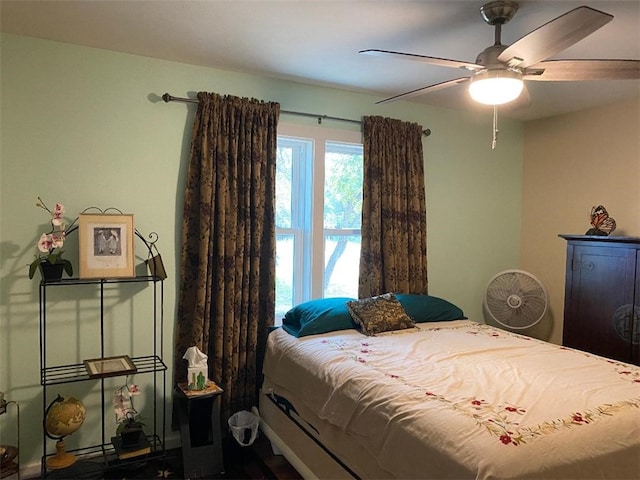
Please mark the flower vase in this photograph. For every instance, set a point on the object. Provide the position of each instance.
(51, 271)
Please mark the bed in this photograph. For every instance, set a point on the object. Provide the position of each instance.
(442, 398)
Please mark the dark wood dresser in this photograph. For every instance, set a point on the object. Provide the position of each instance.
(602, 296)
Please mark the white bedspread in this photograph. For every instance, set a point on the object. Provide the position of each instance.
(465, 400)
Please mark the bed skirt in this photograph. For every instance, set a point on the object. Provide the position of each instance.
(314, 448)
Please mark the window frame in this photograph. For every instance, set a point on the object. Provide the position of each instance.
(312, 258)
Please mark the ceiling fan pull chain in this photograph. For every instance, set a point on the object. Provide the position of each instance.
(495, 127)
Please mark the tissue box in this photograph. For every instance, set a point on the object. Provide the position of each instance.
(197, 378)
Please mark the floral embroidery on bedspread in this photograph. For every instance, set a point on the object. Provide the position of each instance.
(628, 375)
(623, 370)
(499, 420)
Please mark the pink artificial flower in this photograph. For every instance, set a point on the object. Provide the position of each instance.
(57, 215)
(57, 239)
(45, 243)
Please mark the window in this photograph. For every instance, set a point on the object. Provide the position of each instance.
(318, 214)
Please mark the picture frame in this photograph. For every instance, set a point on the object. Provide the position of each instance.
(109, 366)
(105, 245)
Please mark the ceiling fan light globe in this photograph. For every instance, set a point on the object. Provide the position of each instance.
(496, 87)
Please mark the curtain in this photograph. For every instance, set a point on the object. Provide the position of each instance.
(226, 300)
(393, 255)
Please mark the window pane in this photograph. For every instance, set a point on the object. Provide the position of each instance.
(343, 186)
(342, 262)
(284, 176)
(284, 274)
(293, 174)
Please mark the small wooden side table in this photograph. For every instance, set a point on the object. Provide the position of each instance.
(199, 418)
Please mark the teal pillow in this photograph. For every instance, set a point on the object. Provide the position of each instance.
(425, 308)
(318, 316)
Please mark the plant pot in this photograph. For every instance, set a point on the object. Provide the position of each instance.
(51, 271)
(131, 437)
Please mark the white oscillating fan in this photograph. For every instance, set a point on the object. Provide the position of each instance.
(516, 299)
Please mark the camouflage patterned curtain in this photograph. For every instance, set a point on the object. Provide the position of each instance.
(394, 220)
(226, 300)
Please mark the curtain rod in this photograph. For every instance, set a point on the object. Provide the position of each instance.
(169, 98)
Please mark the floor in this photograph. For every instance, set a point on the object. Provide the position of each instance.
(261, 463)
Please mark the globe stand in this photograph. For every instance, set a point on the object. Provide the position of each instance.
(61, 459)
(62, 417)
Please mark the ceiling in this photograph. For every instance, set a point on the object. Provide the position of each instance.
(317, 42)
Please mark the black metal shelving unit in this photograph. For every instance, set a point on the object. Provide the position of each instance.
(103, 455)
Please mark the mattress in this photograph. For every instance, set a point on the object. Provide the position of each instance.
(459, 400)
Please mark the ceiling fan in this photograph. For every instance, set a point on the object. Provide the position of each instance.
(497, 75)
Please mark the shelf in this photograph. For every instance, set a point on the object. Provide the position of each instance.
(107, 456)
(78, 373)
(97, 281)
(103, 456)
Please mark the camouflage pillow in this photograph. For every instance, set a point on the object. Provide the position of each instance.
(379, 314)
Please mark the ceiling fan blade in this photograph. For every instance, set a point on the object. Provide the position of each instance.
(554, 36)
(443, 62)
(578, 70)
(420, 91)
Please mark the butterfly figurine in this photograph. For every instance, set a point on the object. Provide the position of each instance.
(601, 222)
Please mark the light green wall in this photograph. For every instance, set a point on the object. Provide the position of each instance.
(86, 127)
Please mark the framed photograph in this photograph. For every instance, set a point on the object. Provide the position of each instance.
(106, 245)
(109, 366)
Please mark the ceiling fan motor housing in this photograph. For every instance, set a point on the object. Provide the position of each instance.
(499, 12)
(497, 83)
(489, 56)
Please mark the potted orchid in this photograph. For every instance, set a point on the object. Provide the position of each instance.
(130, 424)
(50, 244)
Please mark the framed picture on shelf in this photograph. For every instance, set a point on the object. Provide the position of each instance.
(109, 366)
(106, 245)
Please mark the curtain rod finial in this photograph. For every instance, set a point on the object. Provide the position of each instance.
(166, 97)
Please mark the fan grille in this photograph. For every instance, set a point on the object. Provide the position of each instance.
(516, 299)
